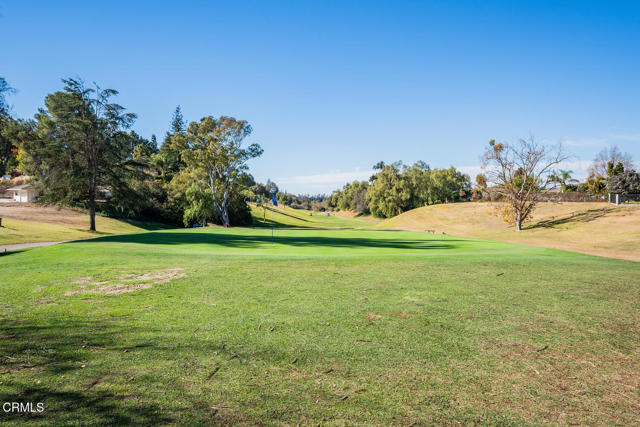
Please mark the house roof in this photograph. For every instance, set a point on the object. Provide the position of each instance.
(21, 187)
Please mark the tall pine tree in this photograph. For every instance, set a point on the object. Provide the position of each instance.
(78, 145)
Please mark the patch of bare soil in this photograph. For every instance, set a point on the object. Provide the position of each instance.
(345, 214)
(372, 316)
(127, 282)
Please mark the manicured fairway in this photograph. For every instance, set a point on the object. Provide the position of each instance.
(337, 327)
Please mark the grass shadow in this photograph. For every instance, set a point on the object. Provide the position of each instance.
(12, 252)
(269, 222)
(146, 225)
(56, 348)
(229, 239)
(578, 217)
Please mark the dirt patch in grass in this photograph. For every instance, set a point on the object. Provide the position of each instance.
(127, 282)
(402, 314)
(372, 316)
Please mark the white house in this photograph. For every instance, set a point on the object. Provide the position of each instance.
(23, 193)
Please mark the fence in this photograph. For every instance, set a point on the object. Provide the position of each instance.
(549, 196)
(571, 196)
(618, 198)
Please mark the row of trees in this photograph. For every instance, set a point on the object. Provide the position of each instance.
(79, 152)
(396, 188)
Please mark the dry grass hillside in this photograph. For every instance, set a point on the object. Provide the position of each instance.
(592, 228)
(27, 223)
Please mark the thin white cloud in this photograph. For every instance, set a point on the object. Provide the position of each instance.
(600, 142)
(326, 182)
(633, 137)
(588, 142)
(326, 178)
(472, 171)
(580, 168)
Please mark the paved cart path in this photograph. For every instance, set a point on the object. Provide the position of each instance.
(18, 246)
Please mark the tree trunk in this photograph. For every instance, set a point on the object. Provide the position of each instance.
(92, 205)
(92, 191)
(518, 222)
(224, 212)
(92, 214)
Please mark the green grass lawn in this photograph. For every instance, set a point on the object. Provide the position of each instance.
(283, 216)
(331, 327)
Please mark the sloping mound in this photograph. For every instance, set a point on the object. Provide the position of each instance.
(593, 228)
(27, 223)
(283, 216)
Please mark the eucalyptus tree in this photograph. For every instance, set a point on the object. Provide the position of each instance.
(215, 158)
(79, 145)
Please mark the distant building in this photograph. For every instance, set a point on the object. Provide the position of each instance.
(24, 193)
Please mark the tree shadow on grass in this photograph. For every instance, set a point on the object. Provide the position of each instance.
(82, 383)
(12, 252)
(230, 239)
(49, 350)
(578, 217)
(148, 225)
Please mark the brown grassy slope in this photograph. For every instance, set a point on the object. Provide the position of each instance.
(592, 228)
(28, 223)
(355, 215)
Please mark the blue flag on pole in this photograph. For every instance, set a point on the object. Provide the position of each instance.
(275, 202)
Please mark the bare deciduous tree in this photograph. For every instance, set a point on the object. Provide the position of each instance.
(519, 172)
(610, 155)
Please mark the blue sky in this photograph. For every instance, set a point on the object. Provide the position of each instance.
(331, 88)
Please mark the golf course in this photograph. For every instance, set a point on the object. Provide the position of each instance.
(317, 326)
(320, 214)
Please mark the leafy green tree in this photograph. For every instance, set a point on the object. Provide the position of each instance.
(78, 147)
(594, 184)
(284, 199)
(12, 133)
(389, 192)
(352, 197)
(564, 179)
(419, 179)
(614, 169)
(396, 188)
(448, 185)
(626, 182)
(5, 90)
(10, 130)
(214, 156)
(168, 160)
(199, 204)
